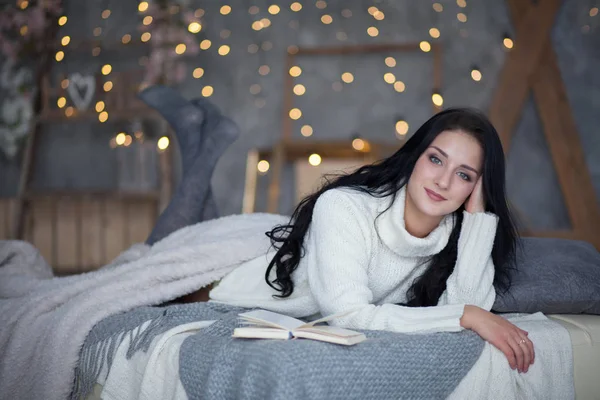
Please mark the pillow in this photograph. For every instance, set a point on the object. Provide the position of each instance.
(554, 276)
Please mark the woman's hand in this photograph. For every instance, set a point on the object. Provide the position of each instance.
(508, 338)
(476, 202)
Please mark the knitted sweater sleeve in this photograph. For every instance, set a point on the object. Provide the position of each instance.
(338, 251)
(472, 280)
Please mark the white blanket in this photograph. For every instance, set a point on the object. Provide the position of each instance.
(45, 319)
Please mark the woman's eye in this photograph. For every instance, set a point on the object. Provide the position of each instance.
(435, 160)
(464, 176)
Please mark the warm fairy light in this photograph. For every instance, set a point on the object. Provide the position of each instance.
(105, 14)
(96, 51)
(100, 106)
(274, 9)
(295, 6)
(97, 31)
(224, 50)
(388, 77)
(207, 91)
(434, 33)
(120, 139)
(372, 10)
(399, 86)
(128, 140)
(262, 166)
(198, 73)
(59, 56)
(461, 17)
(425, 46)
(255, 88)
(295, 113)
(252, 48)
(292, 49)
(162, 143)
(401, 128)
(205, 44)
(379, 16)
(264, 70)
(306, 130)
(103, 116)
(476, 74)
(347, 77)
(299, 90)
(24, 4)
(147, 20)
(314, 159)
(295, 71)
(64, 83)
(390, 62)
(146, 36)
(65, 40)
(461, 3)
(257, 25)
(194, 27)
(126, 38)
(69, 111)
(108, 85)
(438, 7)
(320, 4)
(143, 6)
(508, 43)
(253, 10)
(106, 69)
(24, 29)
(225, 10)
(61, 102)
(326, 19)
(199, 13)
(593, 11)
(372, 31)
(62, 20)
(346, 13)
(180, 48)
(437, 99)
(358, 144)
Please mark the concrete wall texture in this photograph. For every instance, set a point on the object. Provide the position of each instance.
(77, 155)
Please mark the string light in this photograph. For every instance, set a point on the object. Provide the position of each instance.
(306, 130)
(425, 46)
(326, 19)
(264, 70)
(320, 4)
(372, 10)
(225, 10)
(147, 20)
(108, 85)
(390, 62)
(100, 106)
(120, 139)
(163, 143)
(346, 13)
(253, 10)
(399, 86)
(198, 73)
(224, 50)
(143, 6)
(255, 88)
(295, 113)
(103, 116)
(252, 48)
(507, 42)
(359, 145)
(207, 91)
(105, 14)
(401, 128)
(461, 3)
(64, 83)
(379, 16)
(461, 17)
(62, 20)
(199, 13)
(437, 99)
(205, 44)
(61, 102)
(59, 56)
(295, 6)
(475, 73)
(266, 22)
(146, 36)
(372, 31)
(128, 140)
(96, 51)
(347, 77)
(295, 71)
(299, 90)
(434, 33)
(593, 11)
(274, 9)
(106, 69)
(97, 31)
(180, 48)
(263, 166)
(292, 49)
(314, 159)
(69, 111)
(257, 25)
(438, 7)
(194, 27)
(126, 38)
(23, 30)
(388, 77)
(65, 40)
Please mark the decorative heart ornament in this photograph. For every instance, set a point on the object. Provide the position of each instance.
(81, 89)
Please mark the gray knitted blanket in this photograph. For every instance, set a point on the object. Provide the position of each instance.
(215, 366)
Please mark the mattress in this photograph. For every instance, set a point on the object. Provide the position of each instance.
(585, 338)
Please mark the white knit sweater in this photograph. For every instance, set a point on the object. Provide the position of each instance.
(356, 261)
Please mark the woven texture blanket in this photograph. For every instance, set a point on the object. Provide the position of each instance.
(213, 365)
(44, 320)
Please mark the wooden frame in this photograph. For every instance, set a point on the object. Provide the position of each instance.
(532, 65)
(286, 148)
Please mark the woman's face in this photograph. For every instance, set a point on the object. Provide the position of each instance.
(445, 174)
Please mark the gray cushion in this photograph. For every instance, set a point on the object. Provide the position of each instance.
(554, 276)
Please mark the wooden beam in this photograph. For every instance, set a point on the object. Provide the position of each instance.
(512, 88)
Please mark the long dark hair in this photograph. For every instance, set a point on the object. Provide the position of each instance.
(385, 178)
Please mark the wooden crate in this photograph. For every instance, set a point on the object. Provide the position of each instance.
(79, 233)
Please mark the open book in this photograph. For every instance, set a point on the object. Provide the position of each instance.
(262, 324)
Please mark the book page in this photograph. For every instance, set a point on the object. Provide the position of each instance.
(329, 318)
(269, 318)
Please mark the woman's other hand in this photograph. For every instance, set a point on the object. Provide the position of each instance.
(508, 338)
(475, 202)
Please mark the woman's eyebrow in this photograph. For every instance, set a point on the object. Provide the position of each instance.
(463, 165)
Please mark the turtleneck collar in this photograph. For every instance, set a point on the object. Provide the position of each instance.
(392, 231)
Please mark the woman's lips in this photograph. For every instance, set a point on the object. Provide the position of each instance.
(434, 196)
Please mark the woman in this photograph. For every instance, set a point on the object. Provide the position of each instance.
(415, 243)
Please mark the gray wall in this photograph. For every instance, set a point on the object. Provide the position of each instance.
(77, 155)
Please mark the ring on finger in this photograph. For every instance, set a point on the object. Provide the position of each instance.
(522, 341)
